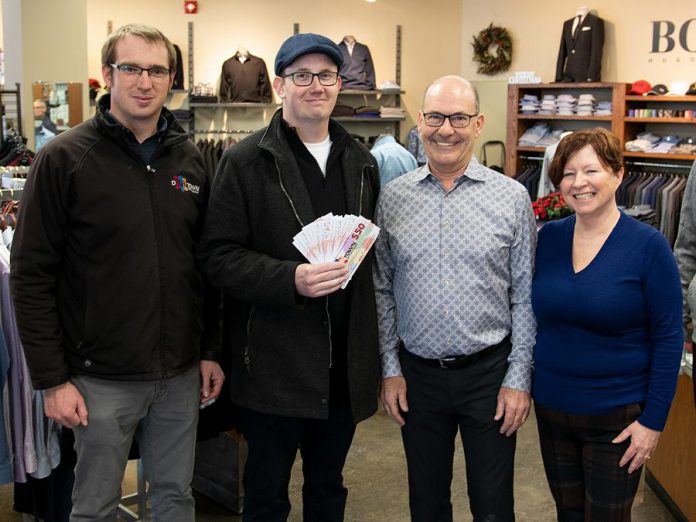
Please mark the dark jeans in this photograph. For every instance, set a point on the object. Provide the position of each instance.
(582, 464)
(273, 442)
(442, 402)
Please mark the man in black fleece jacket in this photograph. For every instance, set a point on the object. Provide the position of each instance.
(109, 299)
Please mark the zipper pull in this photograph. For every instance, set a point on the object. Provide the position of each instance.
(247, 362)
(150, 169)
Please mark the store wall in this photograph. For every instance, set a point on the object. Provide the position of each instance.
(261, 26)
(53, 47)
(535, 27)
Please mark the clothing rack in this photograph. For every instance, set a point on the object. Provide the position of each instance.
(10, 110)
(224, 131)
(10, 194)
(686, 166)
(533, 158)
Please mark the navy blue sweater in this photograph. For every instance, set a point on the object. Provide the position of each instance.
(610, 335)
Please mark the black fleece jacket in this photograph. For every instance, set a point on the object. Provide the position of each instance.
(104, 273)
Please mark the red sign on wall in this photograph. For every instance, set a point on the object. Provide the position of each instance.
(190, 6)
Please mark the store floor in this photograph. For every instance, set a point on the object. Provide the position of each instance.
(375, 475)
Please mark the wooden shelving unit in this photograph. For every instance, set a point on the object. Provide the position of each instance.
(625, 127)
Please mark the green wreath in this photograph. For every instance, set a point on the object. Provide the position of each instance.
(497, 39)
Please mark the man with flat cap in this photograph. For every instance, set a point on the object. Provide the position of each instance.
(305, 365)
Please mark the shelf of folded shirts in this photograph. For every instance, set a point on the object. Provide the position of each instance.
(358, 118)
(560, 85)
(236, 105)
(562, 117)
(657, 155)
(661, 98)
(360, 91)
(632, 119)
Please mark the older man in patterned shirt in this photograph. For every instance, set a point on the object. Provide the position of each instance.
(454, 270)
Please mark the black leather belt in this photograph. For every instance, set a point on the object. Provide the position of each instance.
(459, 361)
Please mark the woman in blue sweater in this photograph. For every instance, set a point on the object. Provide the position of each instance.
(607, 299)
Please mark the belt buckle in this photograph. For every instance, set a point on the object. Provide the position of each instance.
(445, 362)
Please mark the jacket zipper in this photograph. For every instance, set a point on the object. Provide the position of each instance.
(247, 358)
(151, 171)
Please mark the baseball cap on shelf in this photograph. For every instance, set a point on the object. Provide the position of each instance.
(678, 88)
(658, 90)
(306, 43)
(639, 87)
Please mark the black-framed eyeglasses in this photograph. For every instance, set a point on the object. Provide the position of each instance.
(458, 120)
(305, 78)
(155, 73)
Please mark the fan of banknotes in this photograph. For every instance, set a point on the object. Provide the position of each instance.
(337, 238)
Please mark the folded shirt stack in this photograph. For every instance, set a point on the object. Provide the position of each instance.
(367, 111)
(643, 142)
(665, 145)
(392, 112)
(604, 108)
(688, 146)
(550, 138)
(548, 104)
(586, 105)
(565, 105)
(342, 110)
(533, 135)
(529, 104)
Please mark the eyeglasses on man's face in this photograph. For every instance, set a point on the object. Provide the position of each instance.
(133, 71)
(305, 78)
(458, 120)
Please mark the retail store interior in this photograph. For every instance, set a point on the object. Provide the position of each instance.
(51, 51)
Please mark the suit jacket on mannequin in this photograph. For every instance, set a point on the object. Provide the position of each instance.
(580, 54)
(245, 81)
(357, 71)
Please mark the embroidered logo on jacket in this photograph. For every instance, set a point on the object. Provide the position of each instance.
(182, 184)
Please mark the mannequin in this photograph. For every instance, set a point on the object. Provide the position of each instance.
(242, 53)
(244, 78)
(580, 53)
(357, 71)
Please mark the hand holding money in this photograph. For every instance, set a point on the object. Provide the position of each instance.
(332, 241)
(317, 280)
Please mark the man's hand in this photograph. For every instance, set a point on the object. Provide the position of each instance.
(514, 405)
(643, 443)
(319, 279)
(393, 395)
(211, 380)
(65, 405)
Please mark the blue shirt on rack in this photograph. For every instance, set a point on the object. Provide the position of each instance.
(611, 334)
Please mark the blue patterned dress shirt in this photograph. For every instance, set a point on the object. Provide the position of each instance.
(454, 269)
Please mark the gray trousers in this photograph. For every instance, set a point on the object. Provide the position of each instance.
(162, 416)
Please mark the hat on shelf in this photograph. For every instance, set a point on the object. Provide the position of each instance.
(658, 90)
(639, 87)
(678, 88)
(692, 90)
(306, 43)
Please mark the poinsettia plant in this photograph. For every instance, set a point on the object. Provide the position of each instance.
(552, 206)
(94, 87)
